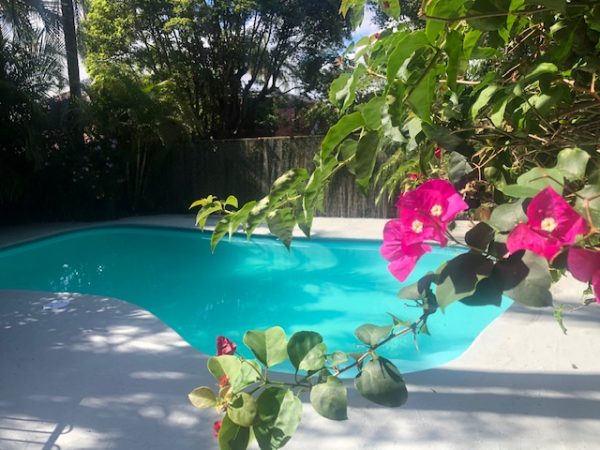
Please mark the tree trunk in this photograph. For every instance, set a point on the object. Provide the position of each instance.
(68, 22)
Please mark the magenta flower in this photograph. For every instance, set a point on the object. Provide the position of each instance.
(551, 224)
(438, 152)
(225, 346)
(436, 199)
(585, 266)
(217, 427)
(423, 215)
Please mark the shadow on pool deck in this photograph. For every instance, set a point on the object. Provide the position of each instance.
(102, 373)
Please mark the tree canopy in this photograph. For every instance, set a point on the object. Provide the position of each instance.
(221, 59)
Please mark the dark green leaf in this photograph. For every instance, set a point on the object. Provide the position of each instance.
(459, 277)
(453, 48)
(525, 278)
(232, 436)
(448, 141)
(483, 16)
(487, 292)
(269, 346)
(380, 382)
(480, 236)
(279, 414)
(330, 399)
(300, 344)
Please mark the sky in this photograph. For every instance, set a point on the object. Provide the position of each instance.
(368, 26)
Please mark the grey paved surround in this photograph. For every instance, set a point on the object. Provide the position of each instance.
(104, 374)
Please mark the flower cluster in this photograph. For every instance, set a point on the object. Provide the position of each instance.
(225, 346)
(423, 215)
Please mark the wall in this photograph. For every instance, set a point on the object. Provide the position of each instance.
(246, 168)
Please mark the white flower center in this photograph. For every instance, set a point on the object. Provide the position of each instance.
(417, 226)
(436, 210)
(549, 224)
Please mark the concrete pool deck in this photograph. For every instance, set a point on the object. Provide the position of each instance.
(105, 374)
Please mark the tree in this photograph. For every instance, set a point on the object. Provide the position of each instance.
(223, 58)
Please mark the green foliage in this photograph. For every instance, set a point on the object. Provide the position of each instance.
(380, 382)
(330, 399)
(269, 346)
(226, 61)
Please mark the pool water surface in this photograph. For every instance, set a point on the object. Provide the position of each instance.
(324, 285)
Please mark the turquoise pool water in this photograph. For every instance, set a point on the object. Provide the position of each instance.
(329, 286)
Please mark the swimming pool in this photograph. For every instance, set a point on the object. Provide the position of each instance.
(329, 286)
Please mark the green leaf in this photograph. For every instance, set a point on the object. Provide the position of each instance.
(257, 215)
(330, 399)
(459, 277)
(589, 196)
(447, 140)
(539, 71)
(281, 223)
(486, 10)
(279, 414)
(338, 132)
(242, 410)
(381, 382)
(202, 397)
(366, 155)
(422, 95)
(440, 8)
(371, 334)
(339, 88)
(205, 212)
(480, 236)
(233, 436)
(372, 112)
(483, 100)
(454, 50)
(572, 162)
(533, 181)
(506, 216)
(231, 201)
(525, 277)
(314, 359)
(405, 47)
(249, 374)
(300, 344)
(228, 365)
(337, 358)
(287, 184)
(556, 5)
(269, 346)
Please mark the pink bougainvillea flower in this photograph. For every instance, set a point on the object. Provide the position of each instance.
(225, 346)
(217, 427)
(423, 215)
(403, 257)
(551, 224)
(435, 198)
(412, 176)
(585, 266)
(377, 35)
(438, 152)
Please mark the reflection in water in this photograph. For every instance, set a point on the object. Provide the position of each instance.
(327, 286)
